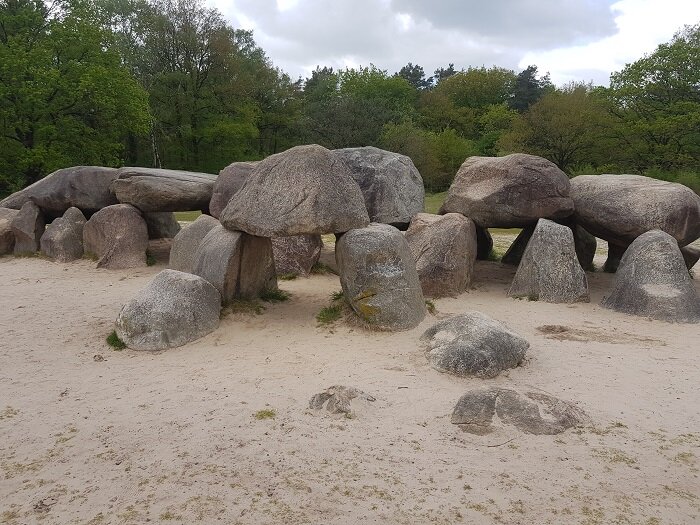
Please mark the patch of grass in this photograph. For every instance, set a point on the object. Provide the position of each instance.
(430, 306)
(114, 341)
(321, 269)
(240, 306)
(266, 413)
(187, 216)
(330, 314)
(433, 201)
(150, 259)
(338, 296)
(287, 276)
(494, 256)
(274, 296)
(25, 255)
(90, 256)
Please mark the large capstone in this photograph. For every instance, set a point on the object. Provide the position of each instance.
(161, 225)
(28, 227)
(444, 247)
(473, 344)
(158, 190)
(530, 412)
(117, 236)
(620, 208)
(174, 309)
(549, 270)
(7, 237)
(84, 187)
(63, 238)
(240, 266)
(379, 278)
(653, 281)
(186, 242)
(304, 190)
(229, 181)
(509, 192)
(391, 184)
(296, 255)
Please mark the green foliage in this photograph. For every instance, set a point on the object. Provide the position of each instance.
(150, 259)
(288, 276)
(430, 306)
(321, 269)
(330, 314)
(433, 201)
(266, 413)
(338, 296)
(114, 341)
(274, 295)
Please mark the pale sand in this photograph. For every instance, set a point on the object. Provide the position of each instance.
(171, 438)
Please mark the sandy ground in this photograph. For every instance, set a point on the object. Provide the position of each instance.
(89, 435)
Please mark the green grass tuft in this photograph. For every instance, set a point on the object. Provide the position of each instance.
(330, 314)
(240, 306)
(274, 296)
(430, 307)
(267, 413)
(494, 256)
(321, 269)
(150, 259)
(114, 341)
(288, 276)
(338, 296)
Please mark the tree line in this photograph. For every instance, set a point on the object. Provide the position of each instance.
(170, 83)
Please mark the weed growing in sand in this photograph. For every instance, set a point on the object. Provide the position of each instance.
(8, 413)
(274, 296)
(240, 306)
(321, 269)
(90, 256)
(288, 276)
(114, 341)
(330, 314)
(150, 259)
(338, 296)
(430, 306)
(266, 413)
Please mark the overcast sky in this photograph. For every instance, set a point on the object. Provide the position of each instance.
(571, 39)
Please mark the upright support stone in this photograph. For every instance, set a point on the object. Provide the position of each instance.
(28, 227)
(7, 237)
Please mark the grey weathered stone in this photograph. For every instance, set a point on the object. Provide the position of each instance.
(159, 250)
(63, 238)
(161, 225)
(614, 257)
(515, 251)
(691, 255)
(619, 208)
(82, 187)
(391, 184)
(240, 266)
(444, 247)
(586, 246)
(304, 190)
(509, 192)
(296, 255)
(484, 243)
(117, 235)
(652, 281)
(530, 412)
(549, 270)
(187, 241)
(473, 344)
(7, 237)
(229, 181)
(338, 399)
(379, 278)
(28, 227)
(158, 190)
(174, 309)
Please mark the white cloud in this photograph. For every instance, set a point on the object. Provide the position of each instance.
(572, 39)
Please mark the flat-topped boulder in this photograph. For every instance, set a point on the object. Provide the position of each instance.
(379, 278)
(304, 190)
(28, 227)
(549, 269)
(63, 238)
(240, 266)
(391, 184)
(155, 189)
(174, 309)
(7, 237)
(473, 344)
(509, 192)
(84, 187)
(296, 255)
(653, 281)
(229, 181)
(620, 208)
(444, 247)
(117, 236)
